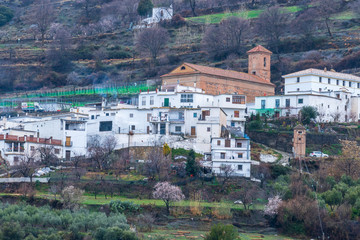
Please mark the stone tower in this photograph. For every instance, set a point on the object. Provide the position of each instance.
(299, 141)
(260, 62)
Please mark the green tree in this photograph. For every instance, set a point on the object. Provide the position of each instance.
(12, 231)
(332, 198)
(308, 113)
(192, 167)
(145, 8)
(6, 14)
(222, 232)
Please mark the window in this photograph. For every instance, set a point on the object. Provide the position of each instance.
(338, 96)
(183, 68)
(132, 127)
(298, 79)
(358, 85)
(263, 103)
(298, 89)
(319, 89)
(148, 117)
(299, 139)
(287, 102)
(195, 115)
(218, 142)
(227, 99)
(107, 114)
(345, 108)
(232, 124)
(57, 151)
(181, 115)
(349, 84)
(328, 106)
(222, 155)
(344, 83)
(112, 114)
(240, 167)
(92, 117)
(329, 81)
(32, 148)
(264, 61)
(105, 126)
(186, 97)
(337, 82)
(208, 129)
(320, 79)
(240, 155)
(277, 103)
(131, 115)
(236, 114)
(300, 100)
(177, 128)
(143, 101)
(238, 99)
(227, 142)
(151, 100)
(68, 155)
(239, 144)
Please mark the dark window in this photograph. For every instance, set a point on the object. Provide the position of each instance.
(320, 79)
(208, 129)
(236, 114)
(300, 101)
(57, 151)
(349, 84)
(238, 99)
(195, 115)
(277, 103)
(329, 81)
(227, 143)
(186, 98)
(222, 155)
(92, 117)
(264, 61)
(105, 126)
(344, 83)
(239, 144)
(298, 79)
(227, 99)
(177, 128)
(358, 85)
(299, 139)
(240, 167)
(132, 127)
(107, 114)
(218, 142)
(263, 104)
(240, 155)
(287, 102)
(131, 115)
(319, 89)
(183, 68)
(337, 82)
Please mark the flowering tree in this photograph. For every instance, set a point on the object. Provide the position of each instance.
(71, 196)
(271, 209)
(168, 193)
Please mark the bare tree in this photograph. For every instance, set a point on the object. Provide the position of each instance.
(356, 8)
(152, 41)
(71, 196)
(349, 162)
(158, 165)
(47, 155)
(27, 165)
(79, 164)
(326, 8)
(272, 24)
(246, 194)
(168, 193)
(192, 5)
(100, 150)
(306, 24)
(226, 172)
(43, 16)
(227, 37)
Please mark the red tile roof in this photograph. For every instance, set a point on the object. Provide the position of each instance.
(259, 48)
(221, 73)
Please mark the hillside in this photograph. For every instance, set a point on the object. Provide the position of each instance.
(89, 42)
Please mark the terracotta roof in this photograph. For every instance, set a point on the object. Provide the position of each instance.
(299, 127)
(221, 73)
(323, 73)
(259, 48)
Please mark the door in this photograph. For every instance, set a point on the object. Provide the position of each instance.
(193, 131)
(68, 155)
(68, 142)
(148, 129)
(166, 102)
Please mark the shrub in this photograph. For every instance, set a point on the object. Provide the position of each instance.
(123, 206)
(6, 14)
(119, 54)
(222, 232)
(255, 125)
(145, 222)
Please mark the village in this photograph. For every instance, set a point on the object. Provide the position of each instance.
(179, 119)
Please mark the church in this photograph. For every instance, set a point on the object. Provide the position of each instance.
(217, 81)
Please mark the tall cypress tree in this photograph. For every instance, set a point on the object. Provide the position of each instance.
(145, 8)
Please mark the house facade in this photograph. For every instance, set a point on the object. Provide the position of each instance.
(334, 95)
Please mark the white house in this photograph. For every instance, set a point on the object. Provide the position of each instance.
(159, 14)
(334, 95)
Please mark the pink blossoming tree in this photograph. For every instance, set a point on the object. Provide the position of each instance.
(168, 193)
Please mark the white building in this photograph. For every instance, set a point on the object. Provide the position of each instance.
(334, 95)
(159, 14)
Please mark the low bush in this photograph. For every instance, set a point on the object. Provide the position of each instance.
(222, 232)
(123, 206)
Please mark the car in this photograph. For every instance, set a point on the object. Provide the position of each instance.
(318, 154)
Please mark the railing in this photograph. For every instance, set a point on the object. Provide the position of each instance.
(30, 139)
(158, 119)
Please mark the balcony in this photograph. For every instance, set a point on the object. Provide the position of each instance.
(68, 144)
(159, 119)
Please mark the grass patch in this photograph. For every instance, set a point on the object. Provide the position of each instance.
(347, 15)
(216, 18)
(189, 234)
